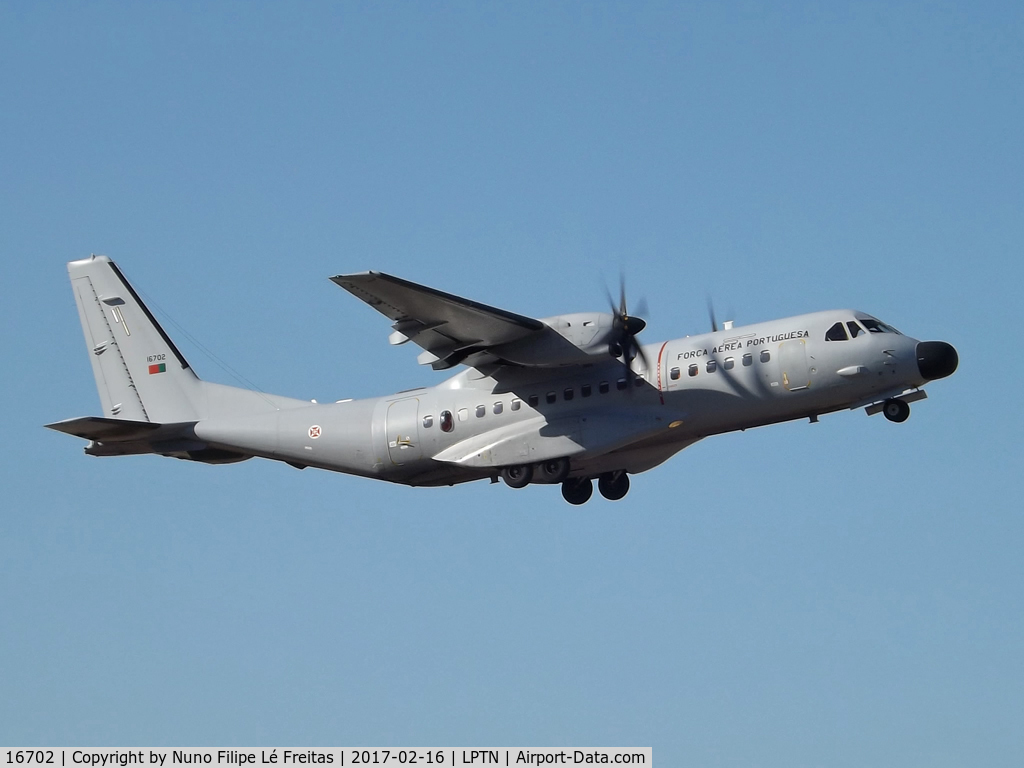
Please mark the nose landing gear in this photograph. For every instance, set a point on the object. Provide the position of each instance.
(896, 410)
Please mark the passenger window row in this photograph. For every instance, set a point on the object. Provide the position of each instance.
(586, 390)
(712, 365)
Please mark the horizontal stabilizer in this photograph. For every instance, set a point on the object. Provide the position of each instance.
(106, 430)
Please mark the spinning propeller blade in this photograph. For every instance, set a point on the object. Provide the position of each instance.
(625, 327)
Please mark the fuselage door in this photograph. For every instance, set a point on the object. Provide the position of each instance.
(402, 429)
(793, 364)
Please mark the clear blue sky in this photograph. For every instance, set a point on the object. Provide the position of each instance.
(842, 594)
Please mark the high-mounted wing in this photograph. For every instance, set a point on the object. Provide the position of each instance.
(454, 330)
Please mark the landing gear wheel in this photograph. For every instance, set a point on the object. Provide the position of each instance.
(552, 471)
(896, 410)
(578, 490)
(613, 485)
(518, 476)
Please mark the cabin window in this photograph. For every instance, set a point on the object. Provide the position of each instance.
(836, 333)
(463, 414)
(729, 364)
(533, 400)
(748, 359)
(568, 393)
(603, 387)
(428, 421)
(692, 370)
(498, 407)
(855, 330)
(638, 381)
(674, 374)
(585, 390)
(712, 366)
(621, 384)
(481, 411)
(551, 397)
(516, 403)
(765, 355)
(447, 422)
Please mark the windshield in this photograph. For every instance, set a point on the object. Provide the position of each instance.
(877, 326)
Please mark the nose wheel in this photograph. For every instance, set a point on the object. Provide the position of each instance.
(896, 410)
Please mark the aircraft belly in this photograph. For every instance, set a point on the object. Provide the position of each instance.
(633, 459)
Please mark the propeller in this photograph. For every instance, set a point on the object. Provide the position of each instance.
(712, 317)
(622, 341)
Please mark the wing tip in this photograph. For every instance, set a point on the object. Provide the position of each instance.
(356, 276)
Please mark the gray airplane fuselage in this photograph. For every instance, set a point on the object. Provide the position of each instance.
(563, 400)
(697, 386)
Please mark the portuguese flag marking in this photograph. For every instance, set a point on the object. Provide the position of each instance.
(158, 368)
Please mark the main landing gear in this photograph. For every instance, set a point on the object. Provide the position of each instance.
(550, 472)
(576, 490)
(518, 476)
(896, 410)
(612, 485)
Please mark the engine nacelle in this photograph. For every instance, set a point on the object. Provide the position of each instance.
(578, 339)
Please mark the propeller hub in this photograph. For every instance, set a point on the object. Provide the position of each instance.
(632, 325)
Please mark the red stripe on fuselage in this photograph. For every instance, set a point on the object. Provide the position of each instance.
(660, 353)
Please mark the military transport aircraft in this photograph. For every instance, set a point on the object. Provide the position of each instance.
(562, 400)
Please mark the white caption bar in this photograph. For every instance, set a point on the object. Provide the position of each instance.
(276, 757)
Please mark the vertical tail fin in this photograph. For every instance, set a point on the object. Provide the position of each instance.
(139, 372)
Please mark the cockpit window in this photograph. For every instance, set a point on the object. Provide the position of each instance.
(877, 326)
(836, 333)
(855, 330)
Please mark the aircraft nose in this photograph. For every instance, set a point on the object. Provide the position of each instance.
(936, 359)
